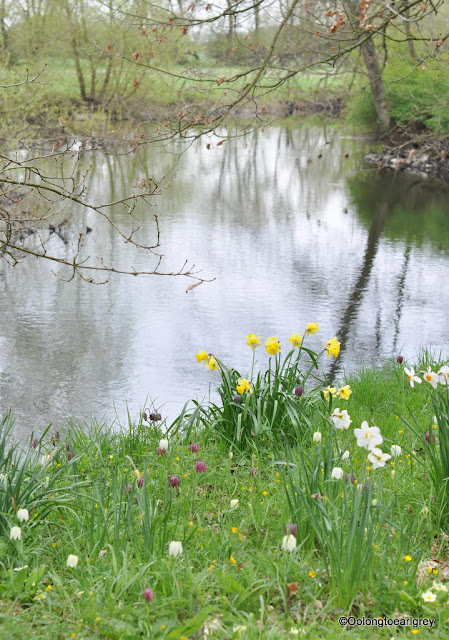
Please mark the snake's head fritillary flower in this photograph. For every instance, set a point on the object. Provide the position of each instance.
(200, 467)
(72, 561)
(175, 548)
(155, 417)
(23, 515)
(312, 327)
(163, 444)
(295, 340)
(298, 391)
(443, 375)
(194, 448)
(333, 347)
(234, 503)
(69, 456)
(140, 482)
(128, 488)
(35, 443)
(237, 399)
(396, 450)
(427, 436)
(15, 533)
(202, 355)
(400, 359)
(350, 477)
(252, 341)
(160, 451)
(289, 543)
(317, 437)
(148, 595)
(253, 471)
(345, 455)
(291, 528)
(173, 481)
(337, 473)
(272, 345)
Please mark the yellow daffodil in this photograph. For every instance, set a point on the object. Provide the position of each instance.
(344, 392)
(212, 364)
(312, 327)
(244, 385)
(252, 340)
(272, 345)
(202, 355)
(330, 391)
(295, 339)
(333, 347)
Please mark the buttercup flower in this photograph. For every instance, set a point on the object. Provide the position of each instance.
(272, 345)
(15, 533)
(312, 327)
(212, 365)
(295, 339)
(317, 437)
(396, 450)
(368, 437)
(428, 596)
(252, 341)
(340, 419)
(377, 458)
(72, 561)
(333, 347)
(244, 385)
(234, 503)
(412, 377)
(202, 355)
(337, 473)
(443, 375)
(23, 515)
(344, 392)
(431, 377)
(175, 548)
(330, 391)
(289, 543)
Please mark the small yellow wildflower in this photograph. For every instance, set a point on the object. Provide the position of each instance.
(408, 558)
(429, 569)
(435, 572)
(252, 340)
(295, 339)
(163, 626)
(244, 385)
(312, 327)
(48, 587)
(190, 524)
(202, 355)
(177, 458)
(272, 345)
(97, 619)
(405, 582)
(344, 392)
(400, 431)
(233, 560)
(333, 347)
(264, 493)
(311, 574)
(234, 529)
(212, 365)
(415, 632)
(54, 544)
(110, 457)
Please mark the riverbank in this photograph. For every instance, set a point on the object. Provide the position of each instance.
(191, 531)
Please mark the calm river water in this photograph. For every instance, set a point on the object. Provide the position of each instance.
(290, 237)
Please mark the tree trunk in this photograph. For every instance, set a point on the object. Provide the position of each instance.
(75, 52)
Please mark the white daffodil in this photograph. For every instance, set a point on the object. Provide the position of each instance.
(23, 515)
(163, 444)
(340, 419)
(428, 596)
(175, 548)
(289, 543)
(368, 437)
(412, 377)
(439, 586)
(378, 458)
(72, 561)
(337, 473)
(443, 374)
(396, 450)
(15, 533)
(317, 437)
(431, 377)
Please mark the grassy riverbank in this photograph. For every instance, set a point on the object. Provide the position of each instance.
(369, 535)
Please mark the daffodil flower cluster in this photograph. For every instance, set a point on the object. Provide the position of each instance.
(432, 377)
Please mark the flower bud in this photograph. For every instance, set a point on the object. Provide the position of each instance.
(299, 391)
(173, 481)
(140, 482)
(237, 398)
(291, 529)
(148, 595)
(35, 443)
(69, 456)
(194, 448)
(200, 467)
(399, 359)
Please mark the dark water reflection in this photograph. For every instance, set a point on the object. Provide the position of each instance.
(290, 237)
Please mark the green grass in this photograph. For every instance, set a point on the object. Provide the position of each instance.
(233, 576)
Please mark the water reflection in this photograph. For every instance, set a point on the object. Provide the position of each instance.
(290, 237)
